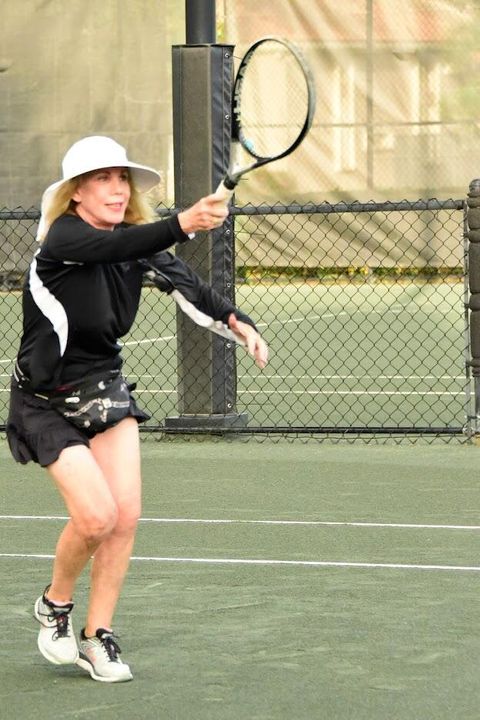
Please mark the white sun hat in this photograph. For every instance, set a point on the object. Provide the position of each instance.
(93, 153)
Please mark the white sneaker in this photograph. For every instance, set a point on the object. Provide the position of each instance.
(56, 640)
(100, 656)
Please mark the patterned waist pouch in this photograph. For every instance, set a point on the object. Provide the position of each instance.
(93, 404)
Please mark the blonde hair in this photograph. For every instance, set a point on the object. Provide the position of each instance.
(138, 212)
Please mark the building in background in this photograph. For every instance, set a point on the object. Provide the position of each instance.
(397, 111)
(393, 81)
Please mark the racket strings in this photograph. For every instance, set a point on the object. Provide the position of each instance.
(274, 101)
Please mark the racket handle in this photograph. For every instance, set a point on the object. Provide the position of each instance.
(224, 193)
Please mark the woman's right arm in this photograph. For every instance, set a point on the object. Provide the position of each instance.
(72, 239)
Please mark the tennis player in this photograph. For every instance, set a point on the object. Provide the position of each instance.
(81, 295)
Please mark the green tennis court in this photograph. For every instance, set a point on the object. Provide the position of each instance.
(340, 355)
(271, 580)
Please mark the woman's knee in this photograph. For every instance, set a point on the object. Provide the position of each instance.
(95, 526)
(127, 518)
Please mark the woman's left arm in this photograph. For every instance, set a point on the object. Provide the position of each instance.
(203, 304)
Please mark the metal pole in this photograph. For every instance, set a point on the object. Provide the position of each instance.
(369, 93)
(200, 22)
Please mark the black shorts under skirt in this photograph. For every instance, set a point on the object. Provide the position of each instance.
(37, 432)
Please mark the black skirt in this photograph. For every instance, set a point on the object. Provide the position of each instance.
(36, 432)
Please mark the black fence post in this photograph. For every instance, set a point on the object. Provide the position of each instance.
(202, 89)
(473, 234)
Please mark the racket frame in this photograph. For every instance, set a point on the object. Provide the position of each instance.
(239, 141)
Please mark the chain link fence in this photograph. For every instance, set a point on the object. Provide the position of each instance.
(363, 305)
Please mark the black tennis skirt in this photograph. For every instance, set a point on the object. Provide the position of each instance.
(36, 432)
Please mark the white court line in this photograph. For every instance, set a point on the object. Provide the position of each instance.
(373, 393)
(352, 392)
(150, 341)
(294, 563)
(327, 523)
(304, 318)
(231, 521)
(288, 321)
(247, 561)
(276, 376)
(395, 309)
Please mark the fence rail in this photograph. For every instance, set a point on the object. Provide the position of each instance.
(364, 307)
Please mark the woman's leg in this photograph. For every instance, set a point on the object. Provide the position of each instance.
(93, 514)
(117, 453)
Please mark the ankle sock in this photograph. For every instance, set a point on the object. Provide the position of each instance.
(98, 633)
(57, 603)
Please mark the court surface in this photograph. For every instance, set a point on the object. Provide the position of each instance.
(340, 356)
(349, 355)
(271, 580)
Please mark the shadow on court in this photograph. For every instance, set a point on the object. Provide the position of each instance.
(271, 580)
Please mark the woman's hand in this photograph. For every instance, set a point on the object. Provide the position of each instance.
(208, 213)
(255, 344)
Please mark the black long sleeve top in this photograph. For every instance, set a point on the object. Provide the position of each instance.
(82, 294)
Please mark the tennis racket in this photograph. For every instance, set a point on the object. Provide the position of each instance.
(273, 104)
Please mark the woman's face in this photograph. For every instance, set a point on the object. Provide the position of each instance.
(102, 197)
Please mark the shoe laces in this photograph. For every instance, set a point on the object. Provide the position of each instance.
(59, 616)
(110, 645)
(61, 619)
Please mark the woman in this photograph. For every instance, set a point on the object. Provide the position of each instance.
(81, 294)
